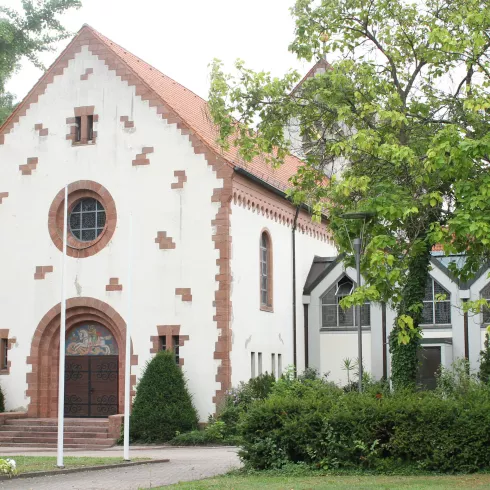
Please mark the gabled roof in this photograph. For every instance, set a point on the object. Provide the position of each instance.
(192, 109)
(321, 64)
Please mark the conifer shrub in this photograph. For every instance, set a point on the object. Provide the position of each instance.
(2, 401)
(163, 406)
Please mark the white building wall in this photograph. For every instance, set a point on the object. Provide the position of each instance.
(328, 349)
(262, 331)
(145, 191)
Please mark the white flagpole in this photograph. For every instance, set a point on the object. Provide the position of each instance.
(127, 373)
(61, 375)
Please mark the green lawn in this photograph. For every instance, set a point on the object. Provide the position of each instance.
(26, 464)
(234, 482)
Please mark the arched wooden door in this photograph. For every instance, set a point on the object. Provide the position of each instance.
(91, 372)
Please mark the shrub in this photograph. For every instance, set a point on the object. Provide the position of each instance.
(214, 434)
(484, 373)
(323, 427)
(239, 399)
(163, 406)
(8, 467)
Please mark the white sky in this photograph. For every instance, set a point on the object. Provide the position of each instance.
(180, 38)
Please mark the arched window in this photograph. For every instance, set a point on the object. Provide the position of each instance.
(333, 315)
(485, 294)
(437, 311)
(265, 271)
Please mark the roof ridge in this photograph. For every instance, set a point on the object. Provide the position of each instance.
(106, 41)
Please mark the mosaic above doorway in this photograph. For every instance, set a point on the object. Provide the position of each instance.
(90, 340)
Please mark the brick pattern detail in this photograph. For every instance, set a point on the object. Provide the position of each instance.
(42, 131)
(185, 293)
(87, 73)
(31, 165)
(127, 123)
(164, 242)
(141, 158)
(114, 285)
(3, 195)
(4, 334)
(71, 122)
(76, 191)
(42, 270)
(168, 331)
(181, 179)
(257, 199)
(42, 382)
(222, 237)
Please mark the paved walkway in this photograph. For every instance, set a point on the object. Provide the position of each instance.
(186, 464)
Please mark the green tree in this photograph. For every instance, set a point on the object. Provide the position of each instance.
(29, 34)
(163, 406)
(400, 118)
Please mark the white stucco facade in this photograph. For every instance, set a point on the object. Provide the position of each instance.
(187, 214)
(330, 346)
(145, 191)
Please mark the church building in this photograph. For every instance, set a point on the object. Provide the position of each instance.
(214, 240)
(226, 271)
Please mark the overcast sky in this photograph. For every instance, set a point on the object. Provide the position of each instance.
(180, 38)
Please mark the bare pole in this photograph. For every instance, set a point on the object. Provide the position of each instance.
(357, 249)
(61, 375)
(127, 373)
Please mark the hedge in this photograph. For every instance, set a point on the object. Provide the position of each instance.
(383, 432)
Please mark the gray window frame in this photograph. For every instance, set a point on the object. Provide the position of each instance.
(336, 285)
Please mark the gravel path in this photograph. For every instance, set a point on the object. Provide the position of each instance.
(186, 464)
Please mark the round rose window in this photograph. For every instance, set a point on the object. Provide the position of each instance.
(92, 219)
(87, 219)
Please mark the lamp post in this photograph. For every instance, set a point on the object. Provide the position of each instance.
(357, 246)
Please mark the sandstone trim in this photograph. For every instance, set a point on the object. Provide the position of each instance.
(87, 73)
(224, 170)
(181, 179)
(31, 165)
(164, 242)
(114, 285)
(76, 191)
(42, 382)
(185, 293)
(168, 331)
(42, 270)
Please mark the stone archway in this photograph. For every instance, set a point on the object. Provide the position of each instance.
(42, 382)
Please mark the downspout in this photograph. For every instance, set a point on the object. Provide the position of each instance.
(465, 333)
(307, 337)
(294, 288)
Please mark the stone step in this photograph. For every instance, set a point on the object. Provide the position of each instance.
(85, 447)
(69, 434)
(53, 428)
(41, 441)
(54, 422)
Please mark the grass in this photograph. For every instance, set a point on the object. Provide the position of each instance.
(27, 464)
(236, 482)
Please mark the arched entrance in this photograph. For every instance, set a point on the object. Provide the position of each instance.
(91, 371)
(42, 382)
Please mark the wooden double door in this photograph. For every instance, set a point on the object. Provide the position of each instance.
(91, 386)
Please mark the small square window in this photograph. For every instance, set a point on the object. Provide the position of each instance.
(78, 126)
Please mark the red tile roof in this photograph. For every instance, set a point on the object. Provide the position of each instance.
(194, 111)
(191, 108)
